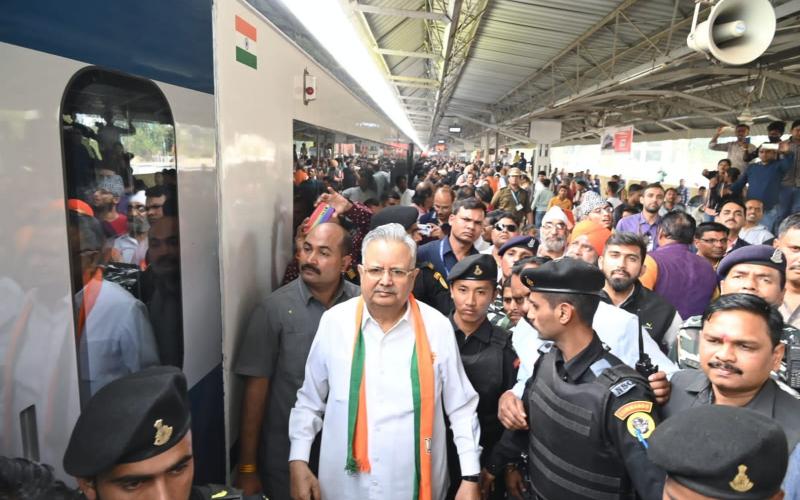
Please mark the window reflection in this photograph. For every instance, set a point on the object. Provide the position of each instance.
(120, 180)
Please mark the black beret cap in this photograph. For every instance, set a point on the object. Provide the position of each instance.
(479, 267)
(131, 419)
(528, 242)
(722, 452)
(763, 255)
(564, 275)
(405, 216)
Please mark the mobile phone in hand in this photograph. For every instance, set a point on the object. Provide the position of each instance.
(321, 214)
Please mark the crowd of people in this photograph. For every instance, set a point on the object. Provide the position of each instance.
(125, 255)
(494, 333)
(566, 318)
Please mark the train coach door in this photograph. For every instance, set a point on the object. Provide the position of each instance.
(118, 140)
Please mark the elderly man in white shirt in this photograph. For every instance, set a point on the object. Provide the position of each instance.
(381, 374)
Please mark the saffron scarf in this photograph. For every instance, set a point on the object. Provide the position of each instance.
(422, 392)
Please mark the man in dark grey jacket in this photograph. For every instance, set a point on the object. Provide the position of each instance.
(739, 347)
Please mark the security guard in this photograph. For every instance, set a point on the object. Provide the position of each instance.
(739, 347)
(133, 437)
(488, 357)
(589, 415)
(742, 456)
(512, 251)
(430, 286)
(756, 269)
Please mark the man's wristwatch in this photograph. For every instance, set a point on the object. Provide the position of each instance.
(476, 478)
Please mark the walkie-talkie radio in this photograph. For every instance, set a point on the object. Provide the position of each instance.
(644, 366)
(792, 358)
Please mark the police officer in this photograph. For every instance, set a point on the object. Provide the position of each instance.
(589, 415)
(488, 357)
(133, 438)
(430, 286)
(743, 455)
(511, 252)
(755, 269)
(739, 348)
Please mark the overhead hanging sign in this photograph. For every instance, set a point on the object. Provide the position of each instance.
(617, 140)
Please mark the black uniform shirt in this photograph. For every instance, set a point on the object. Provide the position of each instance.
(647, 478)
(576, 370)
(480, 339)
(431, 288)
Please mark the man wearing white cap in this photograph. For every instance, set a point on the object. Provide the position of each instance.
(554, 233)
(131, 248)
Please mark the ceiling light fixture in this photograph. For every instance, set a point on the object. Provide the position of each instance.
(318, 16)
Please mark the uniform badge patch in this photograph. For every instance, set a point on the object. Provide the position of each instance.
(641, 425)
(477, 271)
(629, 409)
(163, 433)
(741, 482)
(777, 257)
(623, 387)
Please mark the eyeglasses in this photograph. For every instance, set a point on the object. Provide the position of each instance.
(506, 227)
(559, 226)
(138, 208)
(377, 273)
(709, 241)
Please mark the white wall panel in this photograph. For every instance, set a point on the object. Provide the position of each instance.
(255, 109)
(37, 352)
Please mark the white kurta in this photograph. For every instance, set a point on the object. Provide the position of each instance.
(390, 411)
(617, 328)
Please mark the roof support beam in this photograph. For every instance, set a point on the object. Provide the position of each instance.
(569, 48)
(413, 14)
(494, 127)
(630, 75)
(414, 85)
(781, 77)
(416, 98)
(413, 79)
(406, 53)
(465, 16)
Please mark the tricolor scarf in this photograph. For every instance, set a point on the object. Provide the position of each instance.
(422, 392)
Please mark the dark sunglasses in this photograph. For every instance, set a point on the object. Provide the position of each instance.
(506, 227)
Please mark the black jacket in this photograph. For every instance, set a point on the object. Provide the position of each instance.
(654, 312)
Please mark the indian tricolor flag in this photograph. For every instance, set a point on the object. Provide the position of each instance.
(246, 36)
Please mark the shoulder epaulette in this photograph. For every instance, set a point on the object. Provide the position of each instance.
(438, 277)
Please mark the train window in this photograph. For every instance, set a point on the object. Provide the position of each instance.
(120, 173)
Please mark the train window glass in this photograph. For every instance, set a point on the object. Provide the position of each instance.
(120, 172)
(326, 158)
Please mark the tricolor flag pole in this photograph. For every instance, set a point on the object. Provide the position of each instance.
(246, 43)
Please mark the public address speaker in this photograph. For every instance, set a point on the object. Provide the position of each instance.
(736, 32)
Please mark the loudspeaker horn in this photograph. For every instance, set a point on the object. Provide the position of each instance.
(736, 32)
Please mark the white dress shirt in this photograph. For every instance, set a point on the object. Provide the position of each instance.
(617, 329)
(322, 403)
(117, 339)
(407, 197)
(755, 235)
(481, 245)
